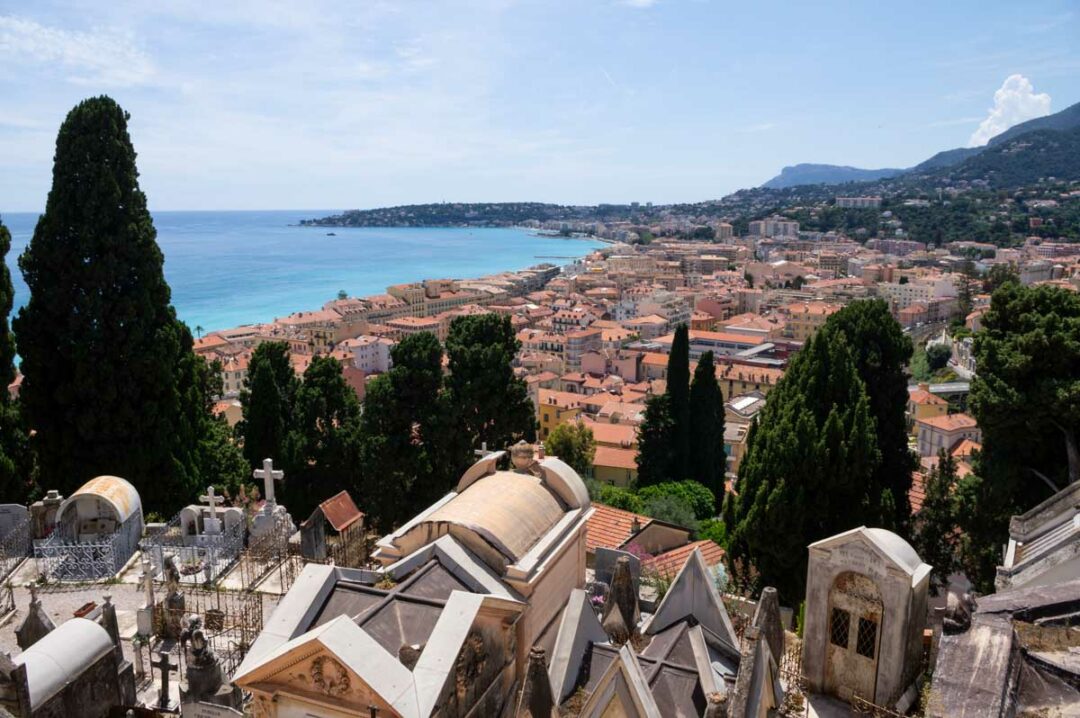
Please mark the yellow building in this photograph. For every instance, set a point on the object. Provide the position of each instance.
(924, 405)
(556, 407)
(805, 318)
(739, 379)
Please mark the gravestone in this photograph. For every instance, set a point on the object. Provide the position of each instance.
(43, 513)
(604, 567)
(165, 666)
(13, 516)
(273, 518)
(144, 617)
(37, 623)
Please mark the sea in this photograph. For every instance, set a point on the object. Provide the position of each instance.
(245, 267)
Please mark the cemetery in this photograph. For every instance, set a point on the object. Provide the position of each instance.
(484, 604)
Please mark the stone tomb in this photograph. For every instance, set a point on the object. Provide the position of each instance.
(866, 596)
(205, 524)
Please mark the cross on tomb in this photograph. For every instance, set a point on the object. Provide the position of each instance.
(166, 666)
(483, 450)
(213, 501)
(269, 474)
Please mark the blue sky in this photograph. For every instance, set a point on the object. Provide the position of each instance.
(248, 105)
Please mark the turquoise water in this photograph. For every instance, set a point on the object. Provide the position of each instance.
(232, 268)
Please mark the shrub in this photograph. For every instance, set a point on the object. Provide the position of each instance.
(695, 495)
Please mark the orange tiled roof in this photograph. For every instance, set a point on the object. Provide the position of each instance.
(917, 492)
(615, 458)
(950, 422)
(609, 527)
(922, 396)
(668, 564)
(965, 448)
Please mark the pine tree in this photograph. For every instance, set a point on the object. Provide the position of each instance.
(386, 457)
(708, 460)
(267, 401)
(489, 403)
(102, 349)
(678, 391)
(654, 457)
(808, 469)
(882, 351)
(936, 538)
(1026, 399)
(317, 448)
(16, 465)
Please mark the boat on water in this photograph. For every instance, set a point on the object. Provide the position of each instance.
(331, 234)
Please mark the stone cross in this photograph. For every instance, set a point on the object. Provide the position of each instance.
(33, 592)
(212, 501)
(483, 450)
(268, 474)
(147, 578)
(166, 666)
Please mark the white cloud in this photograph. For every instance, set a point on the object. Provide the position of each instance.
(99, 58)
(1014, 102)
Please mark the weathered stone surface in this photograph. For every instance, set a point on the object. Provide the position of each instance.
(767, 620)
(535, 700)
(622, 596)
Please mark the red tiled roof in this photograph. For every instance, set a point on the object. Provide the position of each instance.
(340, 511)
(950, 422)
(965, 448)
(668, 564)
(615, 458)
(609, 527)
(917, 492)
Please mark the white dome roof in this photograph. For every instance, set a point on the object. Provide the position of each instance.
(897, 548)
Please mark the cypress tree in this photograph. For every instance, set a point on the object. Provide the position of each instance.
(267, 403)
(935, 535)
(264, 416)
(882, 351)
(708, 460)
(100, 343)
(654, 457)
(16, 480)
(490, 404)
(678, 391)
(808, 469)
(317, 447)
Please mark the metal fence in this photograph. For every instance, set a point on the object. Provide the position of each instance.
(15, 546)
(200, 558)
(61, 559)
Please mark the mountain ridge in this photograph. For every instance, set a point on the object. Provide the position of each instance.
(807, 173)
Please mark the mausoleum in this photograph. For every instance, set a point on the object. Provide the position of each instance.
(866, 597)
(97, 530)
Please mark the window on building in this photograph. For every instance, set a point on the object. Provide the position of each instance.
(867, 641)
(838, 627)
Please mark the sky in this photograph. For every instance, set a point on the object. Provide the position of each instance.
(292, 105)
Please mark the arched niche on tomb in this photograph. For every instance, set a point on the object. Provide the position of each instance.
(851, 655)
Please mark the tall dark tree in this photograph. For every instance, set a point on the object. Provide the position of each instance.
(1026, 398)
(101, 346)
(406, 437)
(936, 538)
(882, 351)
(654, 457)
(678, 391)
(16, 465)
(318, 447)
(490, 404)
(267, 402)
(708, 461)
(572, 442)
(808, 469)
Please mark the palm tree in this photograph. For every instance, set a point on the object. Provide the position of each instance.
(199, 330)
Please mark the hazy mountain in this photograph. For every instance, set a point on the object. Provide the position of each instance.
(793, 176)
(826, 174)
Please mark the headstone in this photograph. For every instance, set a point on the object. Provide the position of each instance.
(206, 681)
(212, 523)
(12, 516)
(173, 618)
(535, 700)
(767, 620)
(622, 600)
(43, 513)
(37, 623)
(604, 567)
(144, 617)
(269, 475)
(165, 666)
